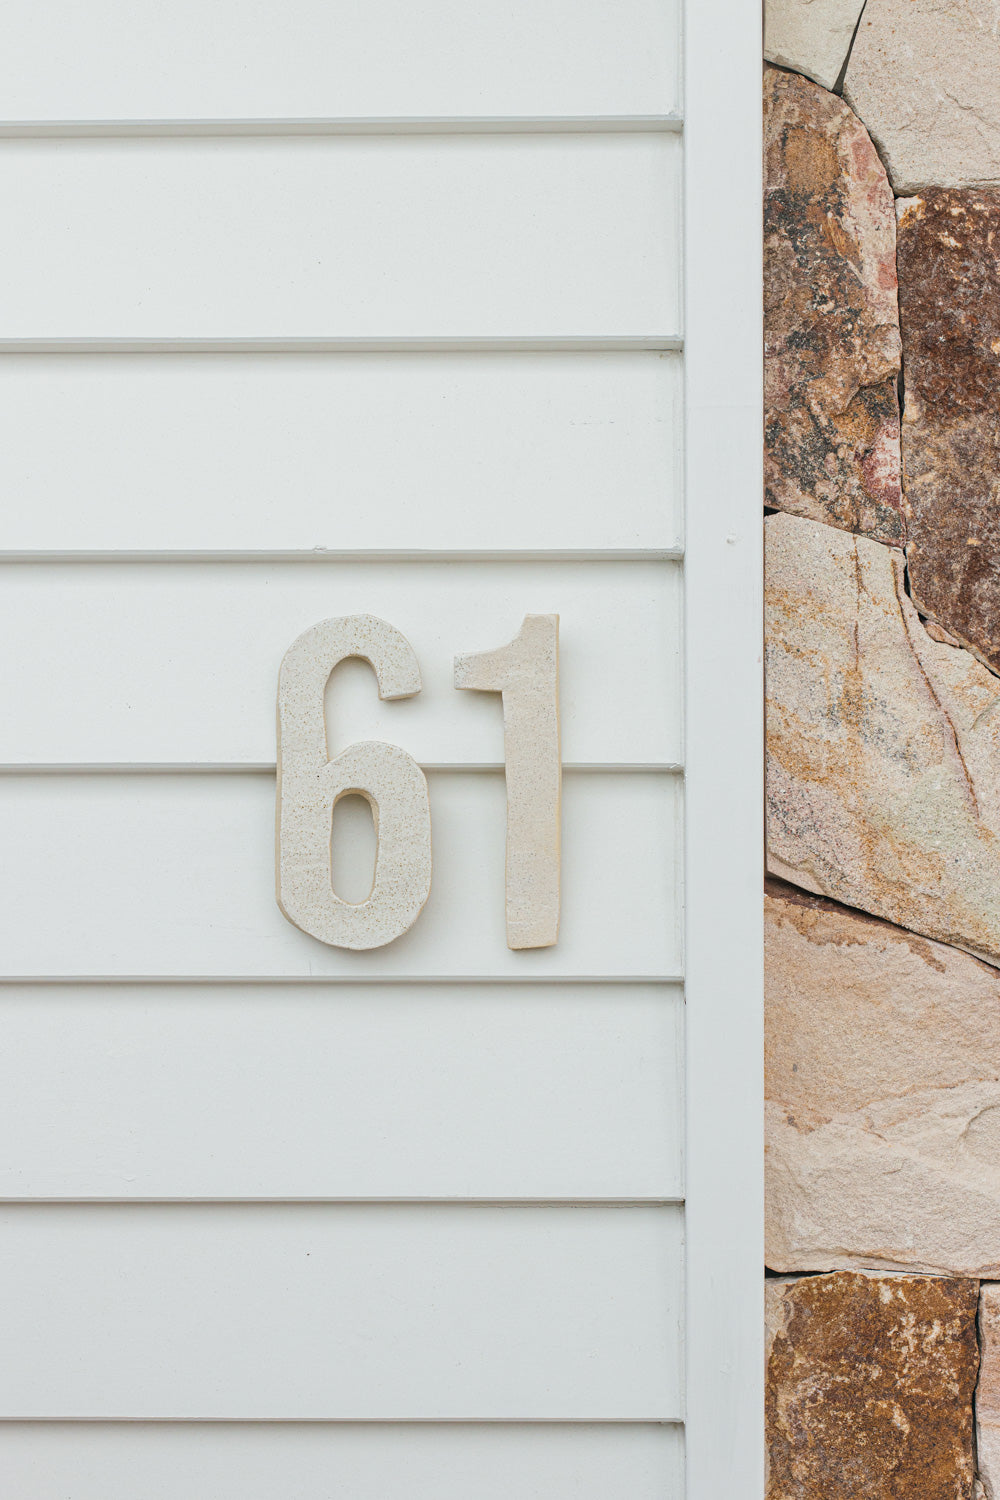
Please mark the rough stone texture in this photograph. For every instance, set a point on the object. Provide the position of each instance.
(923, 76)
(937, 633)
(988, 1392)
(883, 744)
(832, 346)
(811, 36)
(949, 267)
(882, 1123)
(869, 1387)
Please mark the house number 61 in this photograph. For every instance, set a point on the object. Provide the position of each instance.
(310, 784)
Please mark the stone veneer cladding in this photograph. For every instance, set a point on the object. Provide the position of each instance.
(883, 931)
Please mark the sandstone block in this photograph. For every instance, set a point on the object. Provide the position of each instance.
(882, 1116)
(923, 77)
(949, 267)
(988, 1392)
(883, 744)
(811, 36)
(869, 1387)
(831, 324)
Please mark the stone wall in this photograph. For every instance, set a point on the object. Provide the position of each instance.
(882, 906)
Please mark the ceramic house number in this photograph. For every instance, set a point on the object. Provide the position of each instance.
(526, 675)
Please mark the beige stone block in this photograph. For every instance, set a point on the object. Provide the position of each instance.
(923, 76)
(883, 744)
(882, 1081)
(811, 36)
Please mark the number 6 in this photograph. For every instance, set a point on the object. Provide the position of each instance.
(310, 784)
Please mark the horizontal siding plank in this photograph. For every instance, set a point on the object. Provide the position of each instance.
(350, 236)
(351, 1312)
(288, 452)
(382, 1092)
(332, 57)
(219, 1461)
(174, 875)
(179, 662)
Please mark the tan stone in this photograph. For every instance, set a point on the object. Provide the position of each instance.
(937, 633)
(811, 36)
(869, 1387)
(831, 322)
(923, 76)
(882, 1069)
(883, 744)
(988, 1392)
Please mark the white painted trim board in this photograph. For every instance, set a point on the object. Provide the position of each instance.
(724, 752)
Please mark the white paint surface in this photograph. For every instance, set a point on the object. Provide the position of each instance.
(349, 236)
(455, 350)
(176, 663)
(724, 737)
(334, 58)
(259, 1461)
(348, 1311)
(174, 876)
(291, 452)
(317, 1091)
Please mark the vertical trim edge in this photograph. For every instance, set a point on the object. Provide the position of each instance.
(724, 755)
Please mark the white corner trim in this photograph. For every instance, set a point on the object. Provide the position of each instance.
(724, 751)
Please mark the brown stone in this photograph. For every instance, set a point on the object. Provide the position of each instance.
(883, 745)
(882, 1083)
(988, 1391)
(831, 449)
(869, 1387)
(949, 270)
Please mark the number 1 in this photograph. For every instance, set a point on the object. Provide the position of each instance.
(526, 674)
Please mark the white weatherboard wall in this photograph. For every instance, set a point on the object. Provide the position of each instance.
(430, 311)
